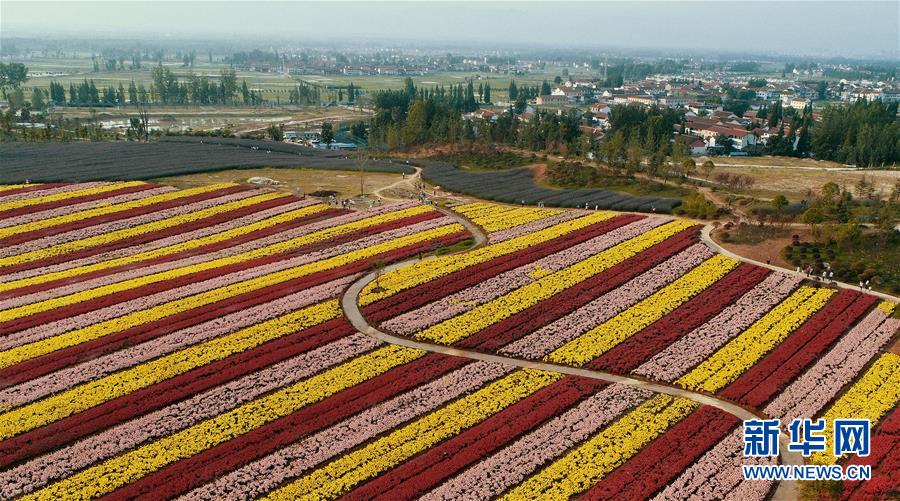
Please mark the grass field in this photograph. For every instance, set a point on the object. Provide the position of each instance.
(796, 183)
(346, 183)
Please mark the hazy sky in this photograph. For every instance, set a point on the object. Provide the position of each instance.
(819, 28)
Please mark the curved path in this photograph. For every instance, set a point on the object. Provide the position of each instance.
(707, 238)
(350, 305)
(407, 182)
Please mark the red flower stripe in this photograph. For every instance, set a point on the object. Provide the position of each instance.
(59, 359)
(213, 247)
(885, 463)
(666, 457)
(790, 358)
(146, 237)
(76, 200)
(654, 338)
(72, 310)
(147, 399)
(541, 314)
(149, 237)
(415, 297)
(422, 473)
(184, 475)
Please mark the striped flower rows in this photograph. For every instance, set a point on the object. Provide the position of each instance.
(194, 346)
(653, 303)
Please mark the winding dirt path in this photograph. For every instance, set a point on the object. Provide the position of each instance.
(707, 238)
(350, 305)
(406, 183)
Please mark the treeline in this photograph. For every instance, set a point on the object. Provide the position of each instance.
(640, 139)
(863, 133)
(415, 116)
(166, 88)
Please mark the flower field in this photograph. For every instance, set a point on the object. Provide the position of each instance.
(641, 296)
(169, 343)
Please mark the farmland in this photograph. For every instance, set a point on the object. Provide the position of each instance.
(169, 157)
(518, 185)
(194, 342)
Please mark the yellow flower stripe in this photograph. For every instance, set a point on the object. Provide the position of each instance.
(72, 338)
(886, 306)
(342, 474)
(424, 271)
(276, 248)
(108, 209)
(121, 470)
(744, 351)
(28, 202)
(7, 187)
(489, 211)
(102, 390)
(482, 316)
(582, 467)
(475, 207)
(512, 218)
(112, 236)
(164, 251)
(873, 396)
(604, 337)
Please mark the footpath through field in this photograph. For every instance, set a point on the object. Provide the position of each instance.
(350, 305)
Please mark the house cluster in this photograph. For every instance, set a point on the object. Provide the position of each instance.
(714, 130)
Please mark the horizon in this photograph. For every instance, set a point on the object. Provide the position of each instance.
(857, 30)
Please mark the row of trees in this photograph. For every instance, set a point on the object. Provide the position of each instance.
(415, 116)
(165, 89)
(863, 133)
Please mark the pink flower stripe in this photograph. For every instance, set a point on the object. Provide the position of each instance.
(156, 244)
(52, 191)
(119, 224)
(690, 350)
(552, 336)
(806, 396)
(717, 475)
(169, 420)
(71, 209)
(533, 226)
(466, 299)
(262, 475)
(61, 326)
(511, 465)
(66, 378)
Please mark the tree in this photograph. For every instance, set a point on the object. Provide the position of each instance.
(37, 99)
(414, 131)
(327, 134)
(275, 132)
(513, 90)
(822, 89)
(359, 130)
(688, 166)
(12, 75)
(132, 93)
(545, 88)
(471, 104)
(487, 94)
(707, 168)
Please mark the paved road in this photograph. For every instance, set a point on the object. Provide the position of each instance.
(350, 305)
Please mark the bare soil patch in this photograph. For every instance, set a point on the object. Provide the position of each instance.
(308, 180)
